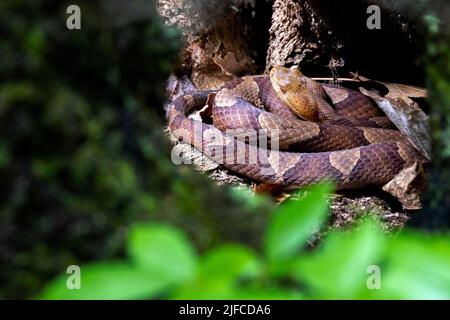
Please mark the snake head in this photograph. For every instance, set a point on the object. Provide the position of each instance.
(286, 79)
(292, 87)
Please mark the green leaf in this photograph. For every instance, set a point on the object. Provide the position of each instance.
(223, 290)
(219, 272)
(204, 289)
(230, 262)
(425, 253)
(265, 294)
(107, 280)
(162, 251)
(339, 269)
(249, 199)
(292, 223)
(417, 267)
(403, 284)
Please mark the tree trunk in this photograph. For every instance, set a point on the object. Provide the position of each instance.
(216, 40)
(298, 34)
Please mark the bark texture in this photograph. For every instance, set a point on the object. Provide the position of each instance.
(327, 37)
(216, 39)
(298, 34)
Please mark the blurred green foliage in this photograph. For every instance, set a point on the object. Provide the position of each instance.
(163, 264)
(83, 157)
(437, 211)
(82, 150)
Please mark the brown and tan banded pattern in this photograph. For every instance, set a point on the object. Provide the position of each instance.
(338, 149)
(349, 103)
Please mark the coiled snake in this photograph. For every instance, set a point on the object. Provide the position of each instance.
(323, 132)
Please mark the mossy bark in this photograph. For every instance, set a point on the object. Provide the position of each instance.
(436, 214)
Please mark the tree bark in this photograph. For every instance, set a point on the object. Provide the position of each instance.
(298, 34)
(330, 37)
(216, 39)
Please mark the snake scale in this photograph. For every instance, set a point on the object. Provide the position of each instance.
(314, 132)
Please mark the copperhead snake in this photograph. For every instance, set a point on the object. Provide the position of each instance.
(323, 132)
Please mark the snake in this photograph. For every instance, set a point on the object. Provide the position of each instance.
(287, 130)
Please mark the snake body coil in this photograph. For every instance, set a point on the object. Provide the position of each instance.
(348, 146)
